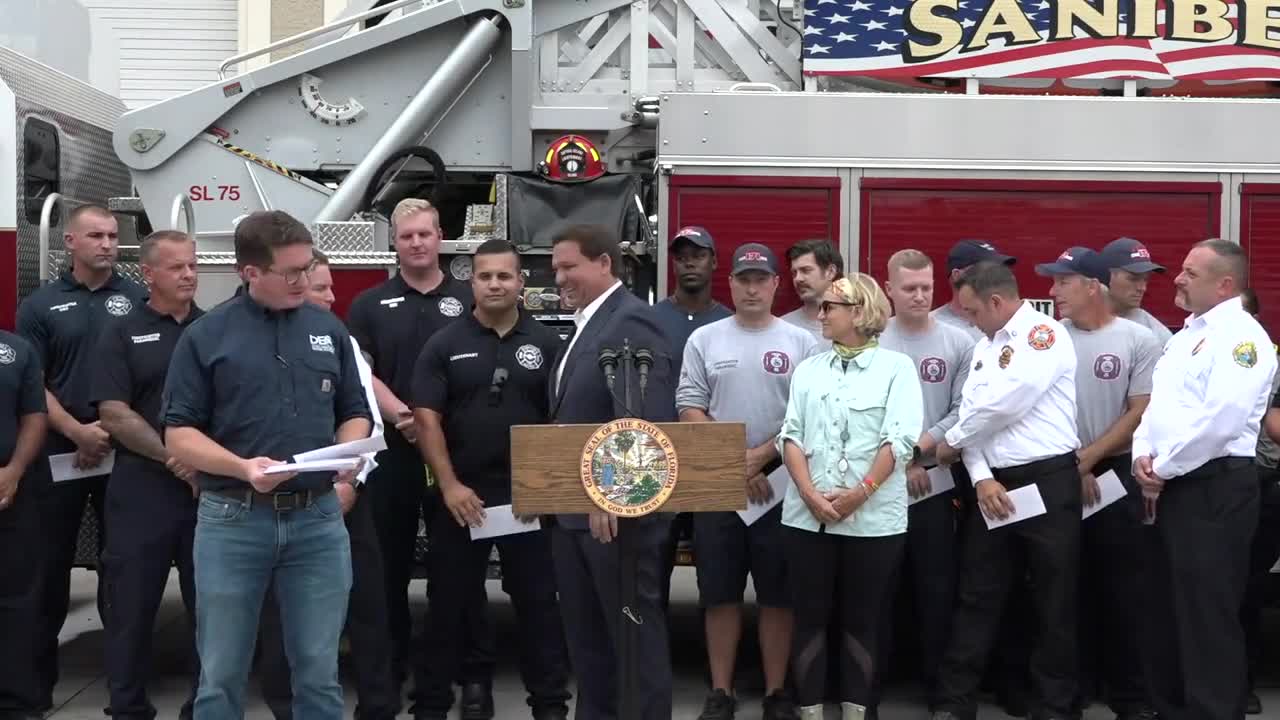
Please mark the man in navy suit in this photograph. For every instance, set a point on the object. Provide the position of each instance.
(588, 262)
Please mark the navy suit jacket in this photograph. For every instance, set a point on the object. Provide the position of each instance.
(584, 398)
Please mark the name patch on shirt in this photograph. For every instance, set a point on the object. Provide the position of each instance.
(322, 343)
(139, 339)
(723, 365)
(63, 307)
(393, 303)
(463, 356)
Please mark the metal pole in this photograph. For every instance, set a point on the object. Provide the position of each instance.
(425, 109)
(628, 702)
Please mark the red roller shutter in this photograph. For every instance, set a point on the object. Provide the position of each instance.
(1260, 238)
(773, 210)
(1037, 220)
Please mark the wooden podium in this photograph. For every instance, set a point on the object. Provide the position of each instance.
(553, 469)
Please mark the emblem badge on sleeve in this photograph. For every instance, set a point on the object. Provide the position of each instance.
(1040, 337)
(1245, 354)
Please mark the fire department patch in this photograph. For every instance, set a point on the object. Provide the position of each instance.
(1106, 367)
(1245, 354)
(1198, 346)
(529, 357)
(118, 305)
(1006, 354)
(450, 307)
(777, 362)
(1040, 337)
(933, 370)
(7, 355)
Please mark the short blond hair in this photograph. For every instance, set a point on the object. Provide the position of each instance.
(863, 291)
(409, 207)
(909, 259)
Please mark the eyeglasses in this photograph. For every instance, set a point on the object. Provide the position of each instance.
(293, 277)
(826, 305)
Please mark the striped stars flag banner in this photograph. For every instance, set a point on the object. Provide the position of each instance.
(1140, 39)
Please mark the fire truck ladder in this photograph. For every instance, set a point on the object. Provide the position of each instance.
(306, 131)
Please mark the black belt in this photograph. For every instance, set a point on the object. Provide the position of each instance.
(280, 501)
(1028, 473)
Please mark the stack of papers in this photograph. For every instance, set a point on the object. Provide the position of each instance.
(63, 467)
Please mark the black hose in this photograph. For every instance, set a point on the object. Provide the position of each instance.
(418, 151)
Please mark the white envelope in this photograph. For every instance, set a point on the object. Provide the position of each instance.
(335, 464)
(778, 480)
(63, 468)
(1027, 503)
(500, 520)
(1112, 490)
(940, 480)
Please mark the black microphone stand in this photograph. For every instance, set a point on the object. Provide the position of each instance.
(629, 618)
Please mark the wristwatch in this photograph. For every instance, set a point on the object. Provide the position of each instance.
(915, 454)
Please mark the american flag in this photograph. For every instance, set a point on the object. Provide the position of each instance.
(867, 38)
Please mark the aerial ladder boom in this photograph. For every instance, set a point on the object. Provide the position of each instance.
(487, 84)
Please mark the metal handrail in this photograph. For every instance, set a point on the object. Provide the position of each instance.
(46, 217)
(322, 30)
(754, 87)
(182, 204)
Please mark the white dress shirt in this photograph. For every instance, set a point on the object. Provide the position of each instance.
(1019, 402)
(581, 317)
(1209, 392)
(366, 380)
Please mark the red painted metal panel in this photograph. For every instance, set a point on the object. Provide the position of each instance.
(775, 211)
(1260, 238)
(8, 279)
(1035, 221)
(1111, 186)
(350, 282)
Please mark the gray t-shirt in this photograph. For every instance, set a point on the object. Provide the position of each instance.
(799, 319)
(739, 374)
(1269, 452)
(1149, 321)
(1114, 363)
(942, 356)
(949, 316)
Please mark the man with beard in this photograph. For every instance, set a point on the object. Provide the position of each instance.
(815, 264)
(1131, 268)
(1194, 456)
(693, 258)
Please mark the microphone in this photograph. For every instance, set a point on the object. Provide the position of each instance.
(644, 361)
(609, 363)
(495, 386)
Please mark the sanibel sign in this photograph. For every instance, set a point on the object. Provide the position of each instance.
(1151, 39)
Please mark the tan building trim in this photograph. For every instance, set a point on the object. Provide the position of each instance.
(263, 22)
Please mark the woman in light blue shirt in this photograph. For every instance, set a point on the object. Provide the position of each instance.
(853, 418)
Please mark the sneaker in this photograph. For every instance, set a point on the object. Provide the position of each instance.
(719, 706)
(778, 706)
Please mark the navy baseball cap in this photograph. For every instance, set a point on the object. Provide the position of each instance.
(1077, 261)
(696, 235)
(1129, 254)
(971, 252)
(754, 256)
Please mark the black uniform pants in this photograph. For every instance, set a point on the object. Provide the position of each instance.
(1110, 561)
(458, 567)
(376, 692)
(931, 570)
(62, 509)
(588, 576)
(849, 581)
(988, 571)
(153, 520)
(22, 542)
(399, 496)
(1199, 569)
(1262, 557)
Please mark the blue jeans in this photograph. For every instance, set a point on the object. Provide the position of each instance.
(240, 548)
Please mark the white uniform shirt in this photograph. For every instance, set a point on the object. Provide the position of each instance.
(1019, 402)
(1210, 390)
(366, 380)
(580, 320)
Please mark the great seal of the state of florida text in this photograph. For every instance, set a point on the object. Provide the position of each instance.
(629, 467)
